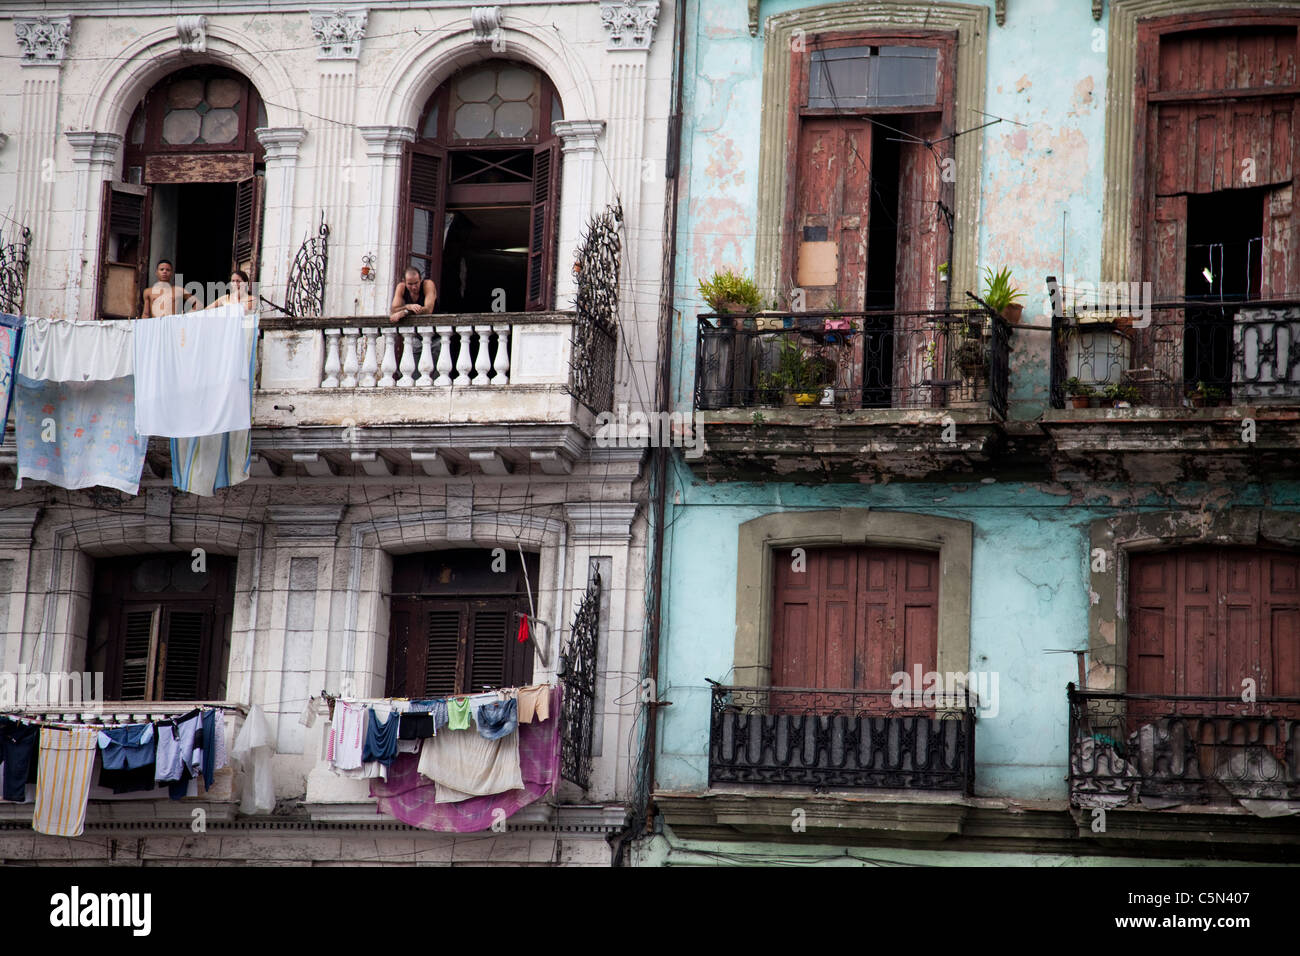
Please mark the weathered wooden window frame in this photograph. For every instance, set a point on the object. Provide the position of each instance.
(758, 538)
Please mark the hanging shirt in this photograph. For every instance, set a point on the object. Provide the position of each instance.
(381, 739)
(18, 754)
(63, 783)
(192, 373)
(458, 711)
(347, 736)
(495, 719)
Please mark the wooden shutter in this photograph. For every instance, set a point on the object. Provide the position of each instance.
(123, 250)
(247, 243)
(182, 657)
(440, 660)
(139, 643)
(543, 226)
(1202, 620)
(424, 194)
(854, 617)
(1281, 274)
(487, 646)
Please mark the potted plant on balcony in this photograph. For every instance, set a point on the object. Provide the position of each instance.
(797, 378)
(1081, 395)
(727, 291)
(970, 352)
(1001, 295)
(1121, 396)
(1203, 395)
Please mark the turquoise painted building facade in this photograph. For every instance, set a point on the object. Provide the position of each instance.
(1068, 512)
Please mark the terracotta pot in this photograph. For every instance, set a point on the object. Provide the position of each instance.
(1198, 401)
(1013, 312)
(1080, 401)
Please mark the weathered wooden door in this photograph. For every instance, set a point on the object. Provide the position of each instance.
(832, 209)
(849, 618)
(1203, 620)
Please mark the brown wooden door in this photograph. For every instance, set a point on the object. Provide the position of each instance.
(833, 205)
(543, 226)
(853, 617)
(440, 647)
(123, 250)
(1202, 620)
(424, 199)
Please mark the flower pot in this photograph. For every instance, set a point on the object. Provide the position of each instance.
(1013, 312)
(1080, 401)
(1198, 401)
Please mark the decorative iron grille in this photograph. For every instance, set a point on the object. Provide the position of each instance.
(1158, 751)
(840, 739)
(13, 273)
(305, 295)
(578, 671)
(596, 330)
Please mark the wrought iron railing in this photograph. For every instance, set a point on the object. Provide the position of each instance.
(955, 358)
(578, 671)
(13, 272)
(1162, 750)
(1190, 354)
(840, 739)
(596, 268)
(304, 293)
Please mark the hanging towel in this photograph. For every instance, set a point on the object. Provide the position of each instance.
(11, 346)
(523, 629)
(63, 350)
(468, 765)
(253, 751)
(201, 465)
(63, 784)
(91, 427)
(192, 373)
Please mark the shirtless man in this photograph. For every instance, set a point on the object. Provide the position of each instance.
(240, 291)
(163, 296)
(413, 296)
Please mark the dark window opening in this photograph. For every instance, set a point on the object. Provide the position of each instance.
(160, 630)
(860, 77)
(192, 226)
(1224, 260)
(454, 622)
(882, 262)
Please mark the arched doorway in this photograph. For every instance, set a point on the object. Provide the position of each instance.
(191, 188)
(480, 190)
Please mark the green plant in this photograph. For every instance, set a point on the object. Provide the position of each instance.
(943, 269)
(998, 290)
(795, 372)
(728, 291)
(1075, 387)
(1122, 393)
(1207, 392)
(758, 419)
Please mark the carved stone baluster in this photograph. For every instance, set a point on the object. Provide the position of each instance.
(483, 359)
(408, 359)
(463, 364)
(390, 360)
(369, 364)
(332, 364)
(444, 355)
(501, 366)
(349, 379)
(426, 356)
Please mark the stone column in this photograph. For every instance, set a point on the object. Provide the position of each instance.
(578, 197)
(384, 146)
(282, 145)
(94, 156)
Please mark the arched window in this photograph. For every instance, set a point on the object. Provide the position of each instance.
(191, 189)
(480, 190)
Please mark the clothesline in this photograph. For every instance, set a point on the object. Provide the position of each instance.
(96, 720)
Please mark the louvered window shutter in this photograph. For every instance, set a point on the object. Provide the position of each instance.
(139, 646)
(488, 647)
(248, 225)
(543, 226)
(123, 250)
(423, 204)
(442, 651)
(182, 656)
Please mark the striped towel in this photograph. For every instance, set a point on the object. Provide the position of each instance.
(202, 465)
(63, 781)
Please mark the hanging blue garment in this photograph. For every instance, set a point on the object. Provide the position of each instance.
(497, 718)
(381, 739)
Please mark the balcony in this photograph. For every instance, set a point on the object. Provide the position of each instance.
(839, 740)
(820, 394)
(1141, 750)
(494, 393)
(1205, 390)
